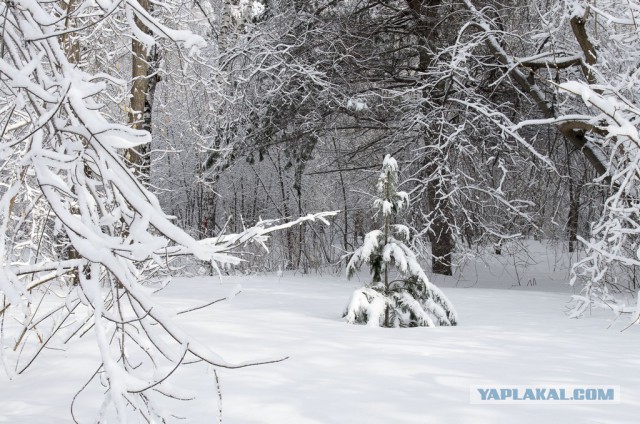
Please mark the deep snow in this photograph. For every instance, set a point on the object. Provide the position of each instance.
(339, 373)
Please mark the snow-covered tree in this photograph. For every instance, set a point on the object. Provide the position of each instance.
(589, 50)
(607, 273)
(63, 174)
(405, 298)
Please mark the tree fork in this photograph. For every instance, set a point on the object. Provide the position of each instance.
(574, 131)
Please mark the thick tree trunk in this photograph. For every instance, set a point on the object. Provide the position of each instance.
(440, 235)
(145, 78)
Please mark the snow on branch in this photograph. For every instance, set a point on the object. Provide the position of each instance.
(612, 244)
(83, 242)
(410, 299)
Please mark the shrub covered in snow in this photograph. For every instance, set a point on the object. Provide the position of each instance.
(408, 298)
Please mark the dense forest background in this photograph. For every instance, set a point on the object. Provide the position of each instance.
(292, 106)
(509, 120)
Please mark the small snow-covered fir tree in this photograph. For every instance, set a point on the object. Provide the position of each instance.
(405, 298)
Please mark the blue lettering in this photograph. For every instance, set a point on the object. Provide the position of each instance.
(605, 395)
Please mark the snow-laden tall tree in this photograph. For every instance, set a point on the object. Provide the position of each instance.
(406, 297)
(588, 49)
(609, 90)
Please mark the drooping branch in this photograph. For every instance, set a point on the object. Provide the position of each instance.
(573, 131)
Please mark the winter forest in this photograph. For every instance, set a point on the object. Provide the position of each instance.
(317, 211)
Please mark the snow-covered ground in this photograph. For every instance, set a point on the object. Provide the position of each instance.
(339, 373)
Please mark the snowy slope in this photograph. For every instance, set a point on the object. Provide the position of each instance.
(338, 373)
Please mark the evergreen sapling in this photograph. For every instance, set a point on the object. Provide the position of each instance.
(406, 297)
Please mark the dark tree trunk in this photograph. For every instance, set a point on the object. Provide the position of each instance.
(427, 13)
(440, 236)
(574, 215)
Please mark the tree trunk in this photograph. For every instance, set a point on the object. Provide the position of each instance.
(71, 48)
(574, 214)
(440, 232)
(301, 228)
(386, 272)
(145, 78)
(69, 44)
(440, 235)
(290, 236)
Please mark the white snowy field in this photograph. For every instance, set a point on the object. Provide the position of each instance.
(339, 373)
